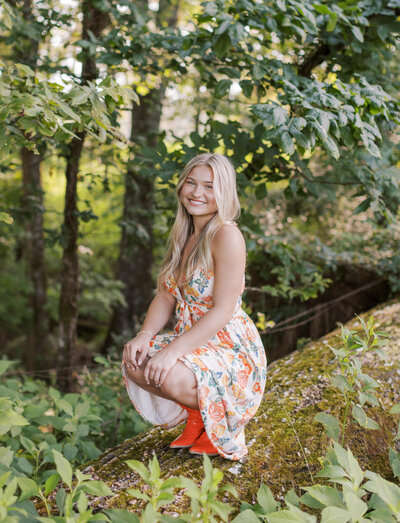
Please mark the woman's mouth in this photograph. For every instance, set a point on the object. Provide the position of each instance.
(196, 202)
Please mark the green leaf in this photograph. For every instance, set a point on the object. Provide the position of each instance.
(326, 495)
(138, 467)
(357, 33)
(28, 444)
(63, 467)
(286, 143)
(51, 483)
(362, 419)
(4, 478)
(5, 365)
(331, 25)
(292, 498)
(342, 383)
(355, 505)
(222, 88)
(60, 499)
(330, 423)
(331, 147)
(96, 488)
(334, 515)
(387, 491)
(222, 44)
(355, 472)
(82, 503)
(247, 87)
(28, 488)
(24, 70)
(322, 9)
(395, 409)
(117, 515)
(6, 456)
(266, 499)
(394, 458)
(363, 206)
(289, 516)
(136, 493)
(279, 116)
(247, 516)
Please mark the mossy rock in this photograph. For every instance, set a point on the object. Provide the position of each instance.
(284, 441)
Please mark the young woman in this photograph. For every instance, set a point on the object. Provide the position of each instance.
(211, 369)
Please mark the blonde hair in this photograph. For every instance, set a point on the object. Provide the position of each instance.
(228, 210)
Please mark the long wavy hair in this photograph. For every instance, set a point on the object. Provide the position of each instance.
(228, 210)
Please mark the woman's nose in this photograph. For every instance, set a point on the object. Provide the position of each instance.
(197, 191)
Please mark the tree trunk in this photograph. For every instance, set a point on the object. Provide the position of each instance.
(34, 254)
(94, 21)
(135, 261)
(68, 306)
(136, 247)
(32, 249)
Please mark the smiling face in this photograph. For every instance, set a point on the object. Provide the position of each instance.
(197, 193)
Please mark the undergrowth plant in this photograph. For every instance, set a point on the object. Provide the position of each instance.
(349, 494)
(356, 386)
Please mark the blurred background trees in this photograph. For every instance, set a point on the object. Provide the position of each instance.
(103, 103)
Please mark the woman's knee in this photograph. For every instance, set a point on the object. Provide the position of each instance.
(135, 375)
(180, 380)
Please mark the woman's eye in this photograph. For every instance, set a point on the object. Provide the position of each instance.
(209, 186)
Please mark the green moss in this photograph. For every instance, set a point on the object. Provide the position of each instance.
(284, 441)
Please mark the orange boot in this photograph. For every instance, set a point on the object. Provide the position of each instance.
(203, 444)
(194, 428)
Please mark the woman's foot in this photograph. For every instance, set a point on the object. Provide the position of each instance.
(194, 428)
(204, 445)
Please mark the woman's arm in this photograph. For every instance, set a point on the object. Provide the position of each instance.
(158, 314)
(229, 253)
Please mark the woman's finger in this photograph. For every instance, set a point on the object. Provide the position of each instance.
(143, 354)
(163, 375)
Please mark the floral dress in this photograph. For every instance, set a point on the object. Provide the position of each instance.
(230, 370)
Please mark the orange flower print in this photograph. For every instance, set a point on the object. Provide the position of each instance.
(218, 429)
(199, 351)
(225, 339)
(246, 364)
(216, 411)
(250, 334)
(238, 392)
(242, 379)
(199, 363)
(203, 393)
(257, 387)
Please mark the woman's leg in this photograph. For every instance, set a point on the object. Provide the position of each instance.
(180, 385)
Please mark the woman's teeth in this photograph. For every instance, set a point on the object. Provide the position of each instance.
(196, 202)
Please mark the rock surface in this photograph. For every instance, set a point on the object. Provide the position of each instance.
(283, 439)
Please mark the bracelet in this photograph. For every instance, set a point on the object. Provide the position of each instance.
(145, 332)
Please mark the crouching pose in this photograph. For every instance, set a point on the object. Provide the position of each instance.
(211, 370)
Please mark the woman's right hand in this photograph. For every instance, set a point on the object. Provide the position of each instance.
(135, 351)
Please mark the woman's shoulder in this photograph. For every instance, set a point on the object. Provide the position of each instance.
(229, 237)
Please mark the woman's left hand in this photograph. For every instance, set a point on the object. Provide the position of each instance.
(159, 365)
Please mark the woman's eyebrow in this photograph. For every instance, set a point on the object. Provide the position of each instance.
(193, 180)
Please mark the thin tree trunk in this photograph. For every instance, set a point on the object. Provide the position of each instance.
(94, 21)
(34, 254)
(135, 260)
(68, 306)
(32, 249)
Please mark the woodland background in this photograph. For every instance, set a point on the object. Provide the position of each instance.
(102, 104)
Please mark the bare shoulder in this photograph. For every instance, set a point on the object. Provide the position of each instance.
(230, 240)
